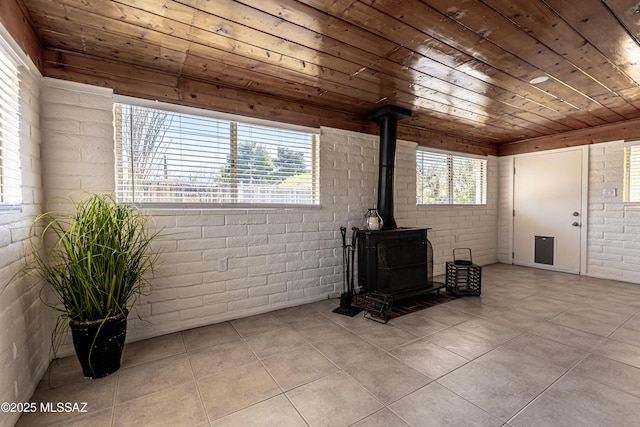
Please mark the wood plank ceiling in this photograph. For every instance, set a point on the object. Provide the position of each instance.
(463, 67)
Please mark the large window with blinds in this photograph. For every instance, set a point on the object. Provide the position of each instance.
(448, 179)
(167, 157)
(10, 174)
(632, 172)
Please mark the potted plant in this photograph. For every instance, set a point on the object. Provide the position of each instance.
(96, 261)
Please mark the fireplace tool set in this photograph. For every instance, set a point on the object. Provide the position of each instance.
(348, 279)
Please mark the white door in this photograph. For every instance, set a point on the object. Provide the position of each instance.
(547, 200)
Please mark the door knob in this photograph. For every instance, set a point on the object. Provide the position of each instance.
(576, 224)
(576, 214)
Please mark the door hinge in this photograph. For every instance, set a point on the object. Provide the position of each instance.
(514, 212)
(513, 255)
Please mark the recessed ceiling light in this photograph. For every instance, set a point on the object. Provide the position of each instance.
(538, 80)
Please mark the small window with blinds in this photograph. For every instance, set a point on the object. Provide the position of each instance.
(167, 157)
(10, 174)
(632, 172)
(447, 179)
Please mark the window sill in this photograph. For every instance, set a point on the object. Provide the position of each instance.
(219, 206)
(442, 205)
(9, 209)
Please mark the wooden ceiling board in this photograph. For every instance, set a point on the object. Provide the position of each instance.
(504, 34)
(462, 67)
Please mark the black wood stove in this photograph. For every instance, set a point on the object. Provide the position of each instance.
(393, 261)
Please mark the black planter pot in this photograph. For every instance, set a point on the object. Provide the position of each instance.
(99, 344)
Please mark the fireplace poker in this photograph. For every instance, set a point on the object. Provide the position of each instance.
(345, 297)
(354, 239)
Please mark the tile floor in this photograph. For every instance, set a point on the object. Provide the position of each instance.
(536, 349)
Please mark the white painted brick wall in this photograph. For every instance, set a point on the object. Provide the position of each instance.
(613, 230)
(276, 257)
(25, 338)
(474, 227)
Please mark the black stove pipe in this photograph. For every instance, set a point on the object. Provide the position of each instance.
(387, 118)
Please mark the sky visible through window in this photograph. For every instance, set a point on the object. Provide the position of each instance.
(173, 157)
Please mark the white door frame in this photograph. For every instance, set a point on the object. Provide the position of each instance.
(584, 202)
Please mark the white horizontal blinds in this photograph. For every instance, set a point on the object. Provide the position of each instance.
(632, 172)
(169, 157)
(10, 175)
(443, 178)
(468, 181)
(432, 178)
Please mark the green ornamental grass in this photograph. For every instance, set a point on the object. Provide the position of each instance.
(96, 260)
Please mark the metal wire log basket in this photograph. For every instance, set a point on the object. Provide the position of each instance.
(463, 277)
(378, 306)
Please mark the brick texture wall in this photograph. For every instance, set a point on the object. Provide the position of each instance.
(276, 257)
(25, 338)
(452, 227)
(613, 249)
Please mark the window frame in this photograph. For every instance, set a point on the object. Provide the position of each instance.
(628, 147)
(450, 161)
(314, 133)
(12, 144)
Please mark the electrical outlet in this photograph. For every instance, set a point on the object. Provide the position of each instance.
(609, 192)
(223, 264)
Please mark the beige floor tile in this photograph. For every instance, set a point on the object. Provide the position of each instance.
(462, 343)
(62, 371)
(610, 317)
(205, 336)
(346, 349)
(274, 412)
(620, 351)
(269, 343)
(335, 400)
(176, 406)
(483, 387)
(579, 401)
(584, 324)
(492, 332)
(388, 336)
(515, 317)
(386, 377)
(98, 395)
(428, 358)
(611, 373)
(299, 315)
(419, 324)
(298, 366)
(210, 360)
(557, 372)
(444, 314)
(538, 373)
(257, 324)
(101, 418)
(436, 406)
(621, 304)
(633, 323)
(545, 305)
(544, 349)
(382, 418)
(627, 335)
(152, 377)
(156, 348)
(321, 329)
(236, 388)
(565, 335)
